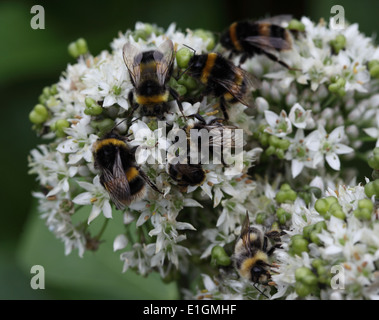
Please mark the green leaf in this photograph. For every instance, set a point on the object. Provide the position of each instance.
(98, 275)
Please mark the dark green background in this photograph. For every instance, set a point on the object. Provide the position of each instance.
(31, 59)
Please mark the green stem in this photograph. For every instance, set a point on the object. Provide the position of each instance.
(98, 236)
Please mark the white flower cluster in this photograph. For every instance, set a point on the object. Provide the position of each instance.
(306, 124)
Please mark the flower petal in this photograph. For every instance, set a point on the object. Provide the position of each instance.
(120, 242)
(333, 160)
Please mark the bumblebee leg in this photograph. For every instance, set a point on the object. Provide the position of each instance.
(198, 117)
(243, 59)
(223, 108)
(272, 249)
(274, 235)
(148, 181)
(133, 106)
(276, 59)
(260, 291)
(175, 95)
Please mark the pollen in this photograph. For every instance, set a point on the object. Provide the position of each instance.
(93, 200)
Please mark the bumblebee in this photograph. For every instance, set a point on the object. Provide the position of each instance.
(120, 175)
(252, 251)
(222, 78)
(215, 137)
(186, 174)
(247, 38)
(149, 73)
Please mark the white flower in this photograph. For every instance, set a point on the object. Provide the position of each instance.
(300, 118)
(120, 242)
(329, 145)
(279, 125)
(108, 82)
(79, 141)
(60, 173)
(299, 153)
(95, 196)
(151, 145)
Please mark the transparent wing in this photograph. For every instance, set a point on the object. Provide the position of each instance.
(269, 43)
(117, 184)
(164, 58)
(245, 233)
(217, 136)
(236, 87)
(132, 58)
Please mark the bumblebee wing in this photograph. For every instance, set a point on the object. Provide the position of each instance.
(269, 43)
(245, 233)
(217, 136)
(236, 87)
(164, 58)
(117, 184)
(132, 58)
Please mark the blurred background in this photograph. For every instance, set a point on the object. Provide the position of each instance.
(32, 59)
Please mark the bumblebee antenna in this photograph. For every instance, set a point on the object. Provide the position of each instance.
(185, 70)
(117, 124)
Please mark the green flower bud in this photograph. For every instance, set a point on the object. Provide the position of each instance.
(341, 92)
(365, 204)
(103, 126)
(302, 289)
(370, 189)
(78, 48)
(285, 194)
(317, 263)
(280, 154)
(92, 108)
(260, 218)
(81, 45)
(321, 206)
(60, 126)
(321, 225)
(314, 237)
(307, 231)
(297, 25)
(284, 144)
(302, 272)
(298, 245)
(73, 50)
(183, 56)
(374, 71)
(341, 82)
(53, 89)
(338, 43)
(220, 257)
(333, 87)
(363, 214)
(336, 210)
(372, 64)
(270, 150)
(187, 81)
(373, 160)
(39, 114)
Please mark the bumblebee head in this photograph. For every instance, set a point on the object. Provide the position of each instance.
(259, 274)
(225, 40)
